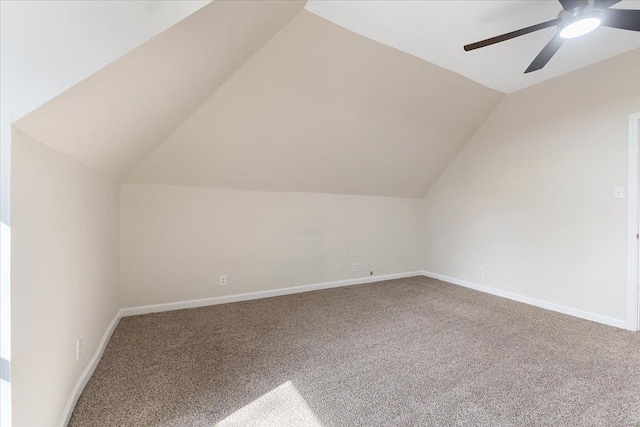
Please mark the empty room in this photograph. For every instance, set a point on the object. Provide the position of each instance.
(320, 213)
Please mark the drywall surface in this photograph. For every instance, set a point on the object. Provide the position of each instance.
(64, 276)
(530, 198)
(321, 109)
(436, 31)
(48, 46)
(113, 119)
(177, 241)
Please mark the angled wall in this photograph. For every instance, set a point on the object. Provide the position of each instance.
(113, 119)
(317, 110)
(321, 109)
(67, 159)
(367, 129)
(46, 48)
(530, 197)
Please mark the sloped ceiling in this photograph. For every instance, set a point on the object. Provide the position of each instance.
(322, 109)
(436, 31)
(114, 118)
(48, 46)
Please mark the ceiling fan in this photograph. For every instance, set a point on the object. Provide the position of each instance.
(577, 18)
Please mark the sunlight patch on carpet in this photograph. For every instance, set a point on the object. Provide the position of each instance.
(282, 406)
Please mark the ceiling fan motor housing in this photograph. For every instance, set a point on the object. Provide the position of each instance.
(579, 13)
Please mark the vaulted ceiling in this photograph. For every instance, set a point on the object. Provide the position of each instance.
(114, 118)
(322, 109)
(263, 95)
(436, 31)
(48, 46)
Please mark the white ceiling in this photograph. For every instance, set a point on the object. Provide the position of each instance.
(436, 31)
(114, 118)
(48, 46)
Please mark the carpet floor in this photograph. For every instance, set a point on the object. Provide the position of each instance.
(407, 352)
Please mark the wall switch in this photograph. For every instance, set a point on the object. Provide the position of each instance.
(355, 266)
(370, 269)
(618, 192)
(480, 272)
(78, 348)
(223, 280)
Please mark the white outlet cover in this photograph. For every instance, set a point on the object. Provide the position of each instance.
(480, 272)
(223, 280)
(78, 348)
(618, 192)
(355, 266)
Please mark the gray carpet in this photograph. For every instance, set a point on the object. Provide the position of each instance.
(408, 352)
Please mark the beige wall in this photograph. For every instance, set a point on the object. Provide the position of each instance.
(177, 241)
(321, 109)
(64, 275)
(530, 197)
(114, 118)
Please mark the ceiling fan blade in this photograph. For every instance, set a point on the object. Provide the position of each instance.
(625, 19)
(511, 35)
(603, 4)
(572, 4)
(546, 54)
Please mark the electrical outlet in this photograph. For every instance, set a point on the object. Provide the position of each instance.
(370, 269)
(223, 280)
(480, 272)
(355, 266)
(78, 348)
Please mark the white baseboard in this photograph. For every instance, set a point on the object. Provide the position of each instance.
(88, 372)
(619, 323)
(133, 311)
(156, 308)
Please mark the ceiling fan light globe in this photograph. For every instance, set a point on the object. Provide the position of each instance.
(580, 27)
